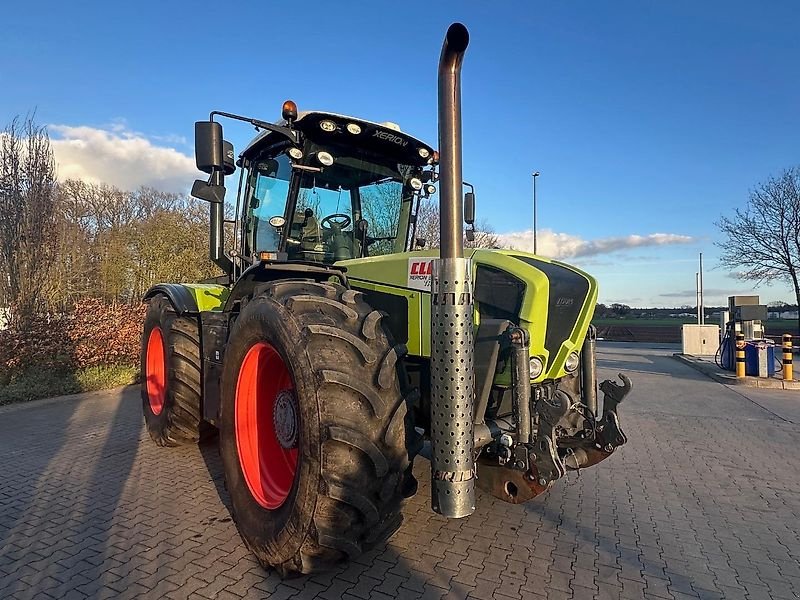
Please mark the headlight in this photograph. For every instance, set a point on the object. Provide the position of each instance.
(354, 128)
(325, 159)
(327, 126)
(537, 367)
(572, 362)
(415, 183)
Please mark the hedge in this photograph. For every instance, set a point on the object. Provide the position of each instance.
(91, 333)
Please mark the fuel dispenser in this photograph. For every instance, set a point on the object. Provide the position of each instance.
(746, 316)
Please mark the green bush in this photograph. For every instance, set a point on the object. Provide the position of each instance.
(104, 377)
(38, 383)
(35, 384)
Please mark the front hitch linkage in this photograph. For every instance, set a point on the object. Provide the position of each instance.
(537, 454)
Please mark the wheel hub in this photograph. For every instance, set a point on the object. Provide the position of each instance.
(284, 419)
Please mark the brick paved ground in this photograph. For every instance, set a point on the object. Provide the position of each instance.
(704, 502)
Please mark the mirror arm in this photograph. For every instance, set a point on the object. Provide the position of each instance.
(307, 168)
(285, 131)
(242, 257)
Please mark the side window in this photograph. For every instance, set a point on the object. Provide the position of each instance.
(269, 186)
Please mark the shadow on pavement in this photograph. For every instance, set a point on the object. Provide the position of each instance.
(59, 502)
(29, 447)
(210, 453)
(374, 564)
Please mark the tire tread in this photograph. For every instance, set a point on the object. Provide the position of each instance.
(362, 385)
(181, 421)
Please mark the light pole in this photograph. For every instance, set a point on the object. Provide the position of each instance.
(535, 175)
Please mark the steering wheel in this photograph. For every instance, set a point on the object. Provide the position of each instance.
(337, 221)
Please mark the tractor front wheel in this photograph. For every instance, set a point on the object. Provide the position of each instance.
(312, 430)
(171, 384)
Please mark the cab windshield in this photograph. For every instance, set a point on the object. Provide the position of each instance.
(348, 209)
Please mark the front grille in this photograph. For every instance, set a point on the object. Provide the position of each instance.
(568, 291)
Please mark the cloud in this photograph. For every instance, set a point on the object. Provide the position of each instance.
(564, 245)
(120, 157)
(706, 292)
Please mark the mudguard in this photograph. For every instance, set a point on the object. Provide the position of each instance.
(190, 298)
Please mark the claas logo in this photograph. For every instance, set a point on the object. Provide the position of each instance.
(421, 267)
(420, 274)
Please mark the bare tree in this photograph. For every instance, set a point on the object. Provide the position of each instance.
(762, 241)
(73, 270)
(115, 244)
(428, 220)
(485, 237)
(381, 208)
(27, 218)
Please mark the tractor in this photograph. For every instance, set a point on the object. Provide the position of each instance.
(336, 348)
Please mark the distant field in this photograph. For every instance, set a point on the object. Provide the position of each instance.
(626, 322)
(668, 330)
(789, 325)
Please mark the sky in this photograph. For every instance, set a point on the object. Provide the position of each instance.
(646, 120)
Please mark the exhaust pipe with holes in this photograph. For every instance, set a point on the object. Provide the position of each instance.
(452, 348)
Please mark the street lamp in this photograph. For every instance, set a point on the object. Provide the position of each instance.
(535, 175)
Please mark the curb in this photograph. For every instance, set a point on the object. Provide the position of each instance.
(712, 371)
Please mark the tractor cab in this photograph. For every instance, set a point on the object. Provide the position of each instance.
(341, 188)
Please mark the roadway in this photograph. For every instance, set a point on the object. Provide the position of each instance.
(704, 502)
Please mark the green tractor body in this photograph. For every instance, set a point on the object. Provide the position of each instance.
(334, 349)
(553, 301)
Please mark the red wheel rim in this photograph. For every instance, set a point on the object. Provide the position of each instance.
(268, 467)
(156, 371)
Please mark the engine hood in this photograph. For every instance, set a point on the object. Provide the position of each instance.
(552, 300)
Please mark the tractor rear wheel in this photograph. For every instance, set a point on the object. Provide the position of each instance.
(313, 426)
(171, 384)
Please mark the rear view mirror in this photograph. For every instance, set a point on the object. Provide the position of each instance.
(228, 157)
(209, 153)
(469, 208)
(210, 193)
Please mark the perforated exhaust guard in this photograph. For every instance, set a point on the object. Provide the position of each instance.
(452, 389)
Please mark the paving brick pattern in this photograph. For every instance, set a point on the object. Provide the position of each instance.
(704, 502)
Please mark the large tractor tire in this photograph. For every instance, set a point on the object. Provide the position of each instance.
(171, 384)
(313, 431)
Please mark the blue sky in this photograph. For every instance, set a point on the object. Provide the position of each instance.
(642, 117)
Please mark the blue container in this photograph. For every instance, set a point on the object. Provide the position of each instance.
(751, 358)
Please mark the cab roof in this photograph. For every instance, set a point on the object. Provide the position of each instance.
(385, 138)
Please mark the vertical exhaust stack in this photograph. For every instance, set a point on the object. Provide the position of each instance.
(452, 348)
